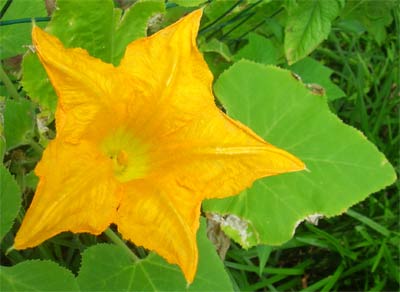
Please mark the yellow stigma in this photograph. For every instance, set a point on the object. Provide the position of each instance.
(128, 155)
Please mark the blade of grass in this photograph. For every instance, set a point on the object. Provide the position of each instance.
(369, 222)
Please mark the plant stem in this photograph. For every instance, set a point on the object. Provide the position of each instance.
(118, 241)
(7, 82)
(36, 146)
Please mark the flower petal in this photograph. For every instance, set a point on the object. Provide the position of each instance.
(215, 156)
(83, 84)
(150, 217)
(76, 192)
(173, 70)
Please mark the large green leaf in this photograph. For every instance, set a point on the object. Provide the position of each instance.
(15, 38)
(343, 166)
(308, 24)
(107, 268)
(19, 122)
(10, 201)
(37, 276)
(98, 27)
(311, 71)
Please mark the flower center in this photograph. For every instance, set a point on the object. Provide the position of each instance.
(128, 155)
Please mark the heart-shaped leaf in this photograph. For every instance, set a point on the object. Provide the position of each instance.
(343, 166)
(106, 267)
(37, 276)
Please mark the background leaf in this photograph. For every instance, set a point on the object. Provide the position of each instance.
(37, 276)
(312, 71)
(15, 38)
(188, 3)
(133, 25)
(10, 201)
(374, 16)
(343, 167)
(308, 24)
(85, 24)
(36, 83)
(19, 122)
(106, 267)
(259, 49)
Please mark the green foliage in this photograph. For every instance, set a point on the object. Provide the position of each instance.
(136, 16)
(10, 201)
(343, 167)
(357, 67)
(374, 16)
(37, 276)
(37, 84)
(259, 49)
(308, 24)
(14, 39)
(19, 122)
(218, 47)
(107, 268)
(311, 71)
(188, 3)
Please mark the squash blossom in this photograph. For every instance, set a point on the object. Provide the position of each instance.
(141, 145)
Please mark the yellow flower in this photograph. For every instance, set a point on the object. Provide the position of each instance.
(141, 145)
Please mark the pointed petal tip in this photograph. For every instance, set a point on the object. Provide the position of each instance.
(194, 17)
(195, 14)
(36, 32)
(39, 36)
(298, 165)
(189, 275)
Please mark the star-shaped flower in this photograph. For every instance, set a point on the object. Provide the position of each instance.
(141, 145)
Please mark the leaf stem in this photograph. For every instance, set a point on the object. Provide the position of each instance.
(36, 146)
(118, 241)
(7, 82)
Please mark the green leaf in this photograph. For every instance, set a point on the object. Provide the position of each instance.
(106, 267)
(92, 25)
(2, 138)
(133, 25)
(375, 16)
(85, 24)
(37, 276)
(258, 49)
(343, 166)
(19, 122)
(216, 46)
(309, 23)
(10, 201)
(15, 38)
(263, 252)
(36, 83)
(31, 180)
(188, 3)
(312, 71)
